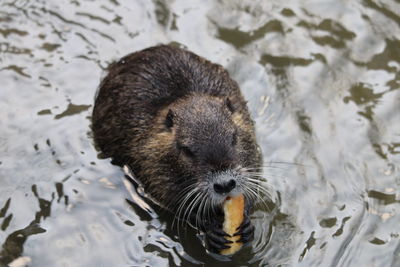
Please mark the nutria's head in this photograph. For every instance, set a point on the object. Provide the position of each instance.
(198, 154)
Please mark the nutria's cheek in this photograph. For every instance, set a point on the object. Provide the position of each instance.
(240, 121)
(159, 144)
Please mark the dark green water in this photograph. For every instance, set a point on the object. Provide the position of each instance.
(322, 79)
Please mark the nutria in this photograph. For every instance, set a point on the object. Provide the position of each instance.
(182, 125)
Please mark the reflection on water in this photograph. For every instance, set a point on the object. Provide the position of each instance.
(322, 79)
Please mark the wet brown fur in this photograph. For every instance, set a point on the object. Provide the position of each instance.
(129, 119)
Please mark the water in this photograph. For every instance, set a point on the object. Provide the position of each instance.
(322, 79)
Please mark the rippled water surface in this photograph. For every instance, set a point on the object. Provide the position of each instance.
(322, 79)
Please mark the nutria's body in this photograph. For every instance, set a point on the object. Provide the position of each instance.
(181, 123)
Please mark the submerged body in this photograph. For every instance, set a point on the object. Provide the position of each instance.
(182, 125)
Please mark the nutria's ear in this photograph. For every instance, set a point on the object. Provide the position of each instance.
(169, 119)
(229, 104)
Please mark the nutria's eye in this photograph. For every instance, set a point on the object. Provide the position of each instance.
(188, 152)
(234, 138)
(169, 119)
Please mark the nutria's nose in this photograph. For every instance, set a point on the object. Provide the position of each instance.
(224, 187)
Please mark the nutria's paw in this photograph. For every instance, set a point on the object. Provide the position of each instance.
(245, 230)
(215, 240)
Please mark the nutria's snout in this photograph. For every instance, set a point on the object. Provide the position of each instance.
(224, 184)
(224, 187)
